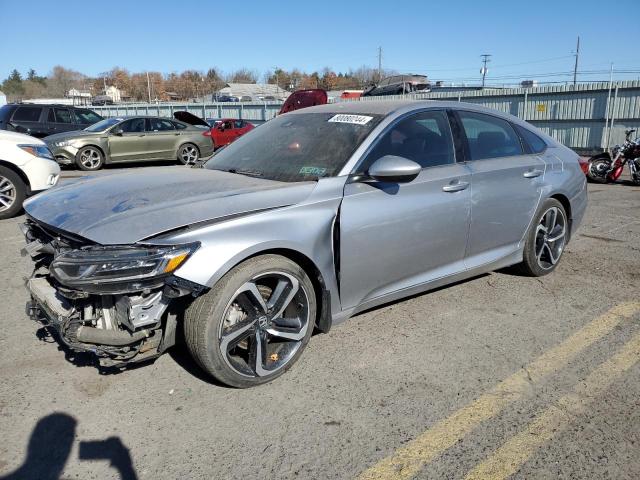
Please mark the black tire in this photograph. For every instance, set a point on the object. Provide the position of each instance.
(13, 191)
(89, 158)
(533, 264)
(188, 153)
(208, 317)
(597, 178)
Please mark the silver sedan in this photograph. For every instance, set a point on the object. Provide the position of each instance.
(309, 219)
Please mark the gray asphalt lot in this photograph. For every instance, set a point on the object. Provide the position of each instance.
(496, 376)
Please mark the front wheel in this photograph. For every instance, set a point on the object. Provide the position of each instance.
(12, 193)
(635, 172)
(255, 322)
(546, 239)
(89, 159)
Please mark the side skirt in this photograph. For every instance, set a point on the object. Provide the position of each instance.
(511, 259)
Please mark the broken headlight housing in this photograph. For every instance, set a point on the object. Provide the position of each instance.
(112, 269)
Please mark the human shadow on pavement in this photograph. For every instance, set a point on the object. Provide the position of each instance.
(50, 445)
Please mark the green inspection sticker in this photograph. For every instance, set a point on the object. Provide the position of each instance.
(317, 171)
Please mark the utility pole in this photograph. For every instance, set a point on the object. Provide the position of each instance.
(575, 67)
(484, 69)
(379, 64)
(148, 87)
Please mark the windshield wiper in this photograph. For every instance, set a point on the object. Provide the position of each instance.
(249, 173)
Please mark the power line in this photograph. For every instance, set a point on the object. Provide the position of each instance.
(483, 70)
(564, 57)
(575, 68)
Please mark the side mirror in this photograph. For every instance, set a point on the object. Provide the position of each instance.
(117, 132)
(392, 168)
(221, 128)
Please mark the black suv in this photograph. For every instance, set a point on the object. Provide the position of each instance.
(42, 120)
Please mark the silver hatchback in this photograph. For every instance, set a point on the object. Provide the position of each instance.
(313, 217)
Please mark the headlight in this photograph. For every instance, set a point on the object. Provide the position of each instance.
(138, 266)
(64, 143)
(38, 151)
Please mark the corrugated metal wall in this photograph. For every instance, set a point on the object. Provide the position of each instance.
(577, 117)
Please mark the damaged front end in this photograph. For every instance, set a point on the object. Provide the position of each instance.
(117, 301)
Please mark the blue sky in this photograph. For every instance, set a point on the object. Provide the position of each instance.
(443, 39)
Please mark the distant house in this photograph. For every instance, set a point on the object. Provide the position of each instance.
(254, 91)
(113, 93)
(3, 98)
(79, 97)
(171, 97)
(75, 93)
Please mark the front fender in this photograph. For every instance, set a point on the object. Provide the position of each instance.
(306, 229)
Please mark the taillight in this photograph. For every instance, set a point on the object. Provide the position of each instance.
(584, 164)
(208, 133)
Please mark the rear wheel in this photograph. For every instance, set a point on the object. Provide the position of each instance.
(12, 193)
(254, 324)
(89, 159)
(546, 239)
(188, 154)
(598, 170)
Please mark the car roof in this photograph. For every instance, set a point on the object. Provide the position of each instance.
(390, 107)
(30, 104)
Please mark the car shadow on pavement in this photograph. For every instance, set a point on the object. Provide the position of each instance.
(180, 354)
(50, 446)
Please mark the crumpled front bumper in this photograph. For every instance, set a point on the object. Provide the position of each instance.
(111, 347)
(63, 155)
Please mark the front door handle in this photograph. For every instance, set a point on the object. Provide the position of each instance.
(455, 187)
(532, 173)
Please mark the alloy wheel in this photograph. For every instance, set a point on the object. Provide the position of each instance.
(7, 194)
(264, 324)
(550, 238)
(189, 154)
(90, 158)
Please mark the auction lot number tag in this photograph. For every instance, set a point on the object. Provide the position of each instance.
(354, 119)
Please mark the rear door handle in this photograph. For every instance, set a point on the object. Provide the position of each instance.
(532, 173)
(455, 187)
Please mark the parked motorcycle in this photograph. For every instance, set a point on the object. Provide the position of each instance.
(607, 167)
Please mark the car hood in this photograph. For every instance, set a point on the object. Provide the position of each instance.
(74, 134)
(126, 208)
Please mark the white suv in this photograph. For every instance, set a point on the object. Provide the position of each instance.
(27, 166)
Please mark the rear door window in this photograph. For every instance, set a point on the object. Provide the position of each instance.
(160, 125)
(179, 126)
(27, 114)
(533, 141)
(63, 115)
(489, 136)
(86, 117)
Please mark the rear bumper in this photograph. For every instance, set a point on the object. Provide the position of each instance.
(579, 207)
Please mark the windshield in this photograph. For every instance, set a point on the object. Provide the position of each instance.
(296, 147)
(103, 125)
